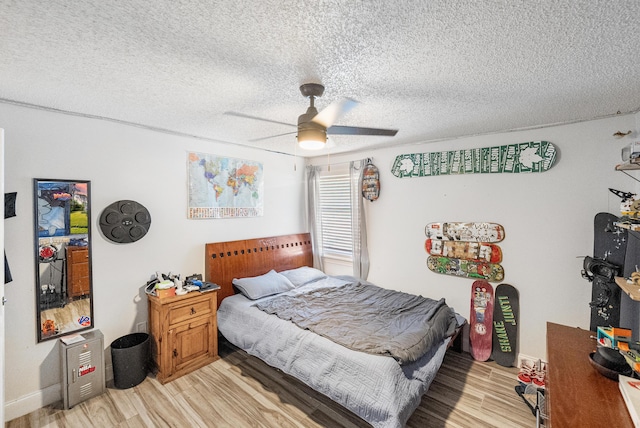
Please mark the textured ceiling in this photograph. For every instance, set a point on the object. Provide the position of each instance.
(434, 70)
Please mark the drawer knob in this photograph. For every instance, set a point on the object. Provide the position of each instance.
(193, 311)
(175, 353)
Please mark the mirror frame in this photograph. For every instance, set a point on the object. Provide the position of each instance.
(51, 253)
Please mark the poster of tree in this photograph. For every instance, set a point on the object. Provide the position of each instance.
(221, 187)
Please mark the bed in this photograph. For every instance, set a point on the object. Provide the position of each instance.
(382, 388)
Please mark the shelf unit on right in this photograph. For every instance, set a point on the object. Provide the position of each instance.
(627, 166)
(629, 226)
(632, 289)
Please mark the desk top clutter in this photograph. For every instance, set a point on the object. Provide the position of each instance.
(618, 358)
(167, 285)
(616, 353)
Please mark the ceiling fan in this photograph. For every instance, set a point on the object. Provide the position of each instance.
(313, 127)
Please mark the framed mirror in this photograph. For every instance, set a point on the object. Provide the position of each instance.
(62, 219)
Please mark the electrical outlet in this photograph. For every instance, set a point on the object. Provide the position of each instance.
(141, 327)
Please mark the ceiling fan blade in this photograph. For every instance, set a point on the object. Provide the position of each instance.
(354, 130)
(333, 111)
(246, 116)
(272, 136)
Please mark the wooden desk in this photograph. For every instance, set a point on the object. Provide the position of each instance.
(577, 395)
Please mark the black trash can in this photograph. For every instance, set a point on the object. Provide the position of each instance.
(130, 359)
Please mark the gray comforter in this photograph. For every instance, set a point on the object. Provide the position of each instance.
(367, 318)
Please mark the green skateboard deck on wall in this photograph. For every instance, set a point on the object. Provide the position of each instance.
(506, 312)
(465, 231)
(466, 268)
(532, 156)
(481, 320)
(475, 251)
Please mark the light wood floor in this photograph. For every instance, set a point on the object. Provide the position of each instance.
(241, 391)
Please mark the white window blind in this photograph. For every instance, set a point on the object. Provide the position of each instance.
(335, 208)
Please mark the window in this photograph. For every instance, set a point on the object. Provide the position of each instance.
(335, 214)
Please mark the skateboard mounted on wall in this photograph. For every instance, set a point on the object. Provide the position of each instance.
(475, 251)
(464, 268)
(532, 156)
(465, 231)
(465, 249)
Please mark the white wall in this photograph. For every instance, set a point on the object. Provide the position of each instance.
(122, 162)
(548, 220)
(2, 279)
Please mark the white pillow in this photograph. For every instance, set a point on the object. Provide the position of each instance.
(264, 285)
(303, 275)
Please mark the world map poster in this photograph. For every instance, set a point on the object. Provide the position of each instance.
(222, 187)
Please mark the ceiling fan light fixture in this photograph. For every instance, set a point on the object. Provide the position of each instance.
(312, 138)
(313, 126)
(311, 144)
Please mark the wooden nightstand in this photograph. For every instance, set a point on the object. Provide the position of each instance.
(184, 330)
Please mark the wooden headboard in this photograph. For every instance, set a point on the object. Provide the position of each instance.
(251, 257)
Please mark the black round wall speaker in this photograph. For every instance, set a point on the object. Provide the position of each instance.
(125, 221)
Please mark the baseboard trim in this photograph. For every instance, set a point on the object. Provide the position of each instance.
(44, 397)
(523, 357)
(32, 402)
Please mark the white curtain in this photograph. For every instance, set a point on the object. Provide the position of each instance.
(358, 223)
(315, 222)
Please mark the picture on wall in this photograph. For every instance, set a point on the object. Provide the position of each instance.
(221, 187)
(61, 208)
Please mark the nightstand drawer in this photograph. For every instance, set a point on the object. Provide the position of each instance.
(178, 314)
